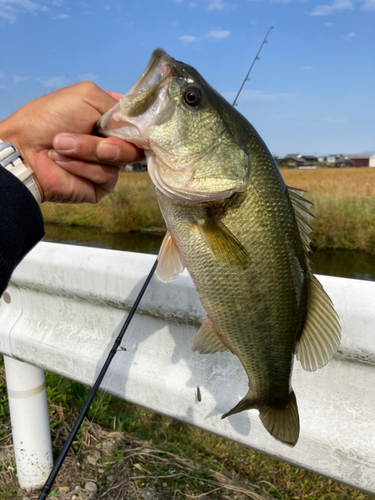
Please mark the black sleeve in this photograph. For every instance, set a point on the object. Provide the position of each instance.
(21, 224)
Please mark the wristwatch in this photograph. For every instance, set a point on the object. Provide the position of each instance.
(11, 159)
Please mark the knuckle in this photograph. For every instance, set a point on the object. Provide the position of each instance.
(88, 87)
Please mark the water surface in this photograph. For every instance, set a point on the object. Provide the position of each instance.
(342, 263)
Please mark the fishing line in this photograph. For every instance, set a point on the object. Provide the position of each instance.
(104, 392)
(91, 421)
(51, 478)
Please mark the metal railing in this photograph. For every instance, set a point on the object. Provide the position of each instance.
(62, 312)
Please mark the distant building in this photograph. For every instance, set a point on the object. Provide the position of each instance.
(338, 161)
(359, 160)
(298, 160)
(372, 161)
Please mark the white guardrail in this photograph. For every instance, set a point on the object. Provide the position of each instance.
(63, 310)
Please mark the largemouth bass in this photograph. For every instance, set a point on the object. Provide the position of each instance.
(241, 233)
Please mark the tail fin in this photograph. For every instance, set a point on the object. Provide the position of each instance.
(282, 422)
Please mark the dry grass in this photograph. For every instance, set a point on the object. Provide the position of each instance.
(333, 181)
(130, 207)
(344, 205)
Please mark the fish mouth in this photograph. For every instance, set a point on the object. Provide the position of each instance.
(139, 108)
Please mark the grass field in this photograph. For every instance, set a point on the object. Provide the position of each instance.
(131, 206)
(344, 206)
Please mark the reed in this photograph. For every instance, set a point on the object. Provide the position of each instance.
(132, 206)
(344, 206)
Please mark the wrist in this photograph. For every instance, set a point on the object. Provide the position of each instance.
(11, 160)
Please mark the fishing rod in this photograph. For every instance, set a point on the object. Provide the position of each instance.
(51, 478)
(251, 67)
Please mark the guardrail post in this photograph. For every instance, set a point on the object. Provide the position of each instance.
(30, 423)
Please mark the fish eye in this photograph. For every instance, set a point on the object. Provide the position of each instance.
(192, 96)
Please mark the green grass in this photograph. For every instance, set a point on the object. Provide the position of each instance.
(213, 454)
(345, 222)
(132, 206)
(344, 206)
(278, 478)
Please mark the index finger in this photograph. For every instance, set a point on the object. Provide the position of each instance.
(91, 148)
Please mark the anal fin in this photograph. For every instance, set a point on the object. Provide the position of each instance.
(170, 260)
(321, 334)
(207, 340)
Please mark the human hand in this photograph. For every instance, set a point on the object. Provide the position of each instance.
(53, 134)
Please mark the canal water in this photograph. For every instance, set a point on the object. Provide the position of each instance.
(342, 263)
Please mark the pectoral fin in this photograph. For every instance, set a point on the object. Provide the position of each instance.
(321, 335)
(223, 244)
(207, 340)
(170, 260)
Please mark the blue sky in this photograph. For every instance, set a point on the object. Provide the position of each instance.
(312, 91)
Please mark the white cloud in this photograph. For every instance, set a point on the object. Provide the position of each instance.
(62, 16)
(328, 24)
(335, 119)
(368, 5)
(254, 95)
(57, 3)
(10, 9)
(215, 5)
(19, 79)
(350, 36)
(218, 34)
(55, 82)
(281, 1)
(337, 6)
(188, 39)
(88, 76)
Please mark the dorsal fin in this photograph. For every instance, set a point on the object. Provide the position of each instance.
(170, 260)
(321, 334)
(303, 216)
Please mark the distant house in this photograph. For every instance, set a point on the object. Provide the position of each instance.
(372, 161)
(298, 160)
(338, 161)
(359, 160)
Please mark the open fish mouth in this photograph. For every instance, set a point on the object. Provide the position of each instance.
(139, 108)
